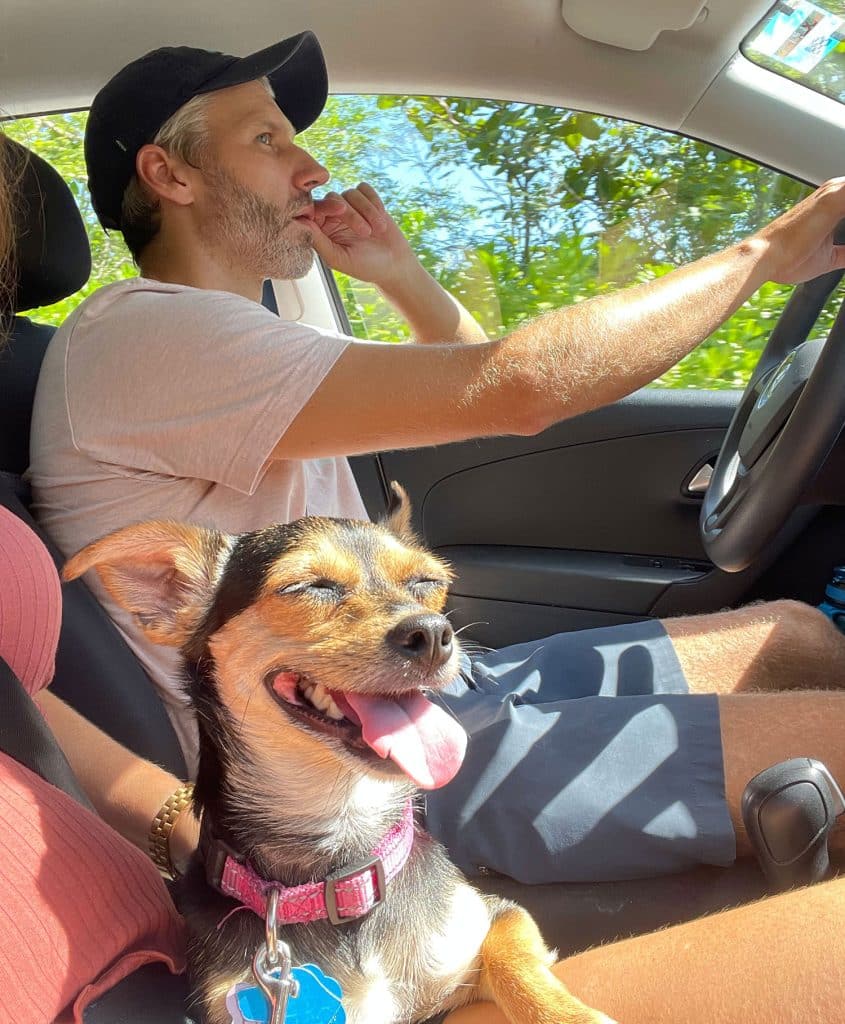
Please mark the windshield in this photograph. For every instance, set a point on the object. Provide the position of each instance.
(803, 41)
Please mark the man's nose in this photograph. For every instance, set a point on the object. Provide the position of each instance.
(311, 174)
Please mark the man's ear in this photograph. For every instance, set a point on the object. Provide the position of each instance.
(397, 519)
(163, 573)
(164, 175)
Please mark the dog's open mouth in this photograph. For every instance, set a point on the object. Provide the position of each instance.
(419, 736)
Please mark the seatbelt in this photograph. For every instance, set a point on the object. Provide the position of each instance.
(25, 736)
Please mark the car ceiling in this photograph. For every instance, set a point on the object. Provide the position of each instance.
(55, 54)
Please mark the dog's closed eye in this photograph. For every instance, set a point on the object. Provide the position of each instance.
(324, 589)
(425, 587)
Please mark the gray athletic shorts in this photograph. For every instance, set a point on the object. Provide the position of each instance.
(588, 760)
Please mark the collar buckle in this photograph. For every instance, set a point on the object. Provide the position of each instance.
(349, 874)
(215, 855)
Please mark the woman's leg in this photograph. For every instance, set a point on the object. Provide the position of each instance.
(778, 961)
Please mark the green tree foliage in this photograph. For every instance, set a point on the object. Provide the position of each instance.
(58, 139)
(568, 205)
(516, 208)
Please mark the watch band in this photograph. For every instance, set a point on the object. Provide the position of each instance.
(162, 826)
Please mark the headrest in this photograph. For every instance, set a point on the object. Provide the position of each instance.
(52, 255)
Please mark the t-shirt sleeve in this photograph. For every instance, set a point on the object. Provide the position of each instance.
(190, 383)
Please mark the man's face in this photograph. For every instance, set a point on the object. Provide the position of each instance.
(255, 203)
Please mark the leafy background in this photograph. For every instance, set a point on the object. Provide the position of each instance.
(516, 208)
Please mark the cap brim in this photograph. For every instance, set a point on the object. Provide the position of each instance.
(296, 69)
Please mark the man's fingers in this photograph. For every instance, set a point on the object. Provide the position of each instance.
(323, 246)
(373, 214)
(372, 195)
(330, 205)
(319, 242)
(359, 209)
(335, 207)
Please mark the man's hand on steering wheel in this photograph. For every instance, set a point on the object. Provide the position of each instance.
(799, 244)
(793, 409)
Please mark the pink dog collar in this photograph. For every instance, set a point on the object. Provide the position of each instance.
(344, 896)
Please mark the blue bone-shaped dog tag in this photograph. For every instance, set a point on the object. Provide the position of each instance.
(318, 1001)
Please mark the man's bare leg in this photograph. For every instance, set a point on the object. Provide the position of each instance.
(780, 645)
(760, 729)
(782, 960)
(779, 961)
(757, 659)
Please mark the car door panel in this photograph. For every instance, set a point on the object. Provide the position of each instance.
(550, 590)
(617, 495)
(586, 524)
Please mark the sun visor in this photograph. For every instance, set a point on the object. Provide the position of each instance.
(630, 24)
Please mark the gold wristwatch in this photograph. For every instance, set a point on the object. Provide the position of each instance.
(162, 826)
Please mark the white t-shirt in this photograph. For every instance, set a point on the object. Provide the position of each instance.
(159, 401)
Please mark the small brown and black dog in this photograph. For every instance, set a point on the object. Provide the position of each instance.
(310, 650)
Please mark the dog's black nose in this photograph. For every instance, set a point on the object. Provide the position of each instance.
(426, 637)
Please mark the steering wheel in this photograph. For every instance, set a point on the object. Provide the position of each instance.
(787, 421)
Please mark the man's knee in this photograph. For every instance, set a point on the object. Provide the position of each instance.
(786, 624)
(771, 645)
(803, 650)
(802, 623)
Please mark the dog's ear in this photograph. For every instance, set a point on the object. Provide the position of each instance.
(397, 519)
(163, 573)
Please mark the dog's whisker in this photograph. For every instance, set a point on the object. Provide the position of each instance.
(248, 700)
(439, 698)
(474, 649)
(469, 625)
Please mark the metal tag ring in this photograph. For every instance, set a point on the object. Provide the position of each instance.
(271, 927)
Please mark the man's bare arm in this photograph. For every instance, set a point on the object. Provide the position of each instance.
(357, 236)
(433, 315)
(565, 362)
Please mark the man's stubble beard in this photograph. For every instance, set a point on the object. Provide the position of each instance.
(255, 234)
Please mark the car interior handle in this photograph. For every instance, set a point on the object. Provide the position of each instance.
(700, 480)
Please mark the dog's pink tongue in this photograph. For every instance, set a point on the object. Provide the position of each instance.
(423, 739)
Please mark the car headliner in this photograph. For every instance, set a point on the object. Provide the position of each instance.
(55, 54)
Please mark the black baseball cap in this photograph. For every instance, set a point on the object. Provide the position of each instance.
(129, 110)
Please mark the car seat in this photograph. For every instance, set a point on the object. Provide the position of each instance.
(95, 670)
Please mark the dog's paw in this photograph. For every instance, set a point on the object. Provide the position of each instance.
(574, 1012)
(586, 1015)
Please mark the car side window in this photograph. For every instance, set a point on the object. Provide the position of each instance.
(516, 208)
(58, 139)
(519, 208)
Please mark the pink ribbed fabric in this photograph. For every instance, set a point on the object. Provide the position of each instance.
(80, 908)
(30, 604)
